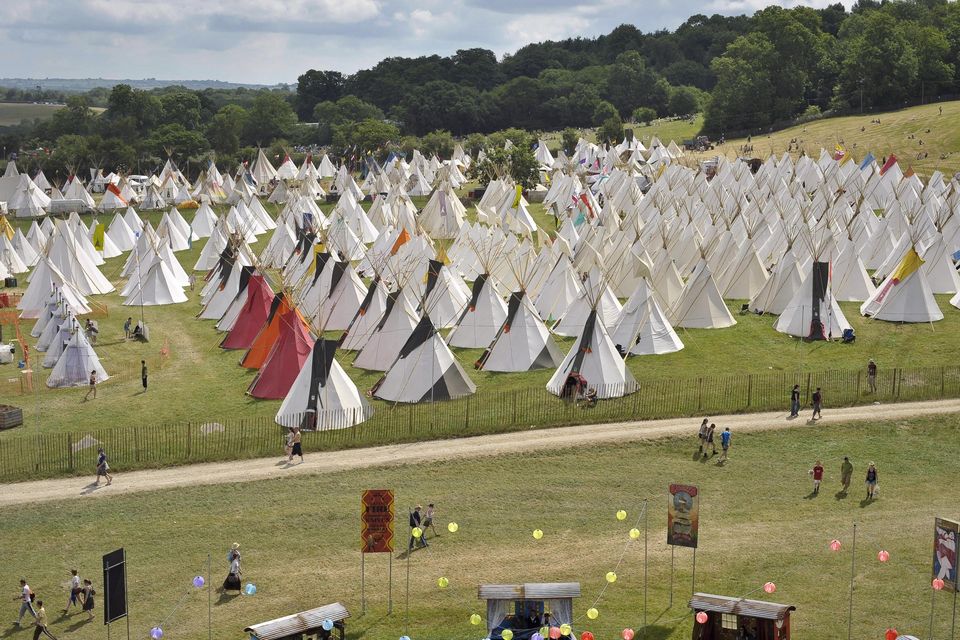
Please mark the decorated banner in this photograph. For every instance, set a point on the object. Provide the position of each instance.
(98, 238)
(376, 521)
(946, 534)
(683, 516)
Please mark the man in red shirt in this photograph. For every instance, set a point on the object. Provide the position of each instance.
(817, 473)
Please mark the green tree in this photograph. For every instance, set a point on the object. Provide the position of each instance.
(76, 118)
(633, 84)
(177, 140)
(369, 136)
(437, 142)
(131, 108)
(181, 107)
(743, 95)
(270, 117)
(611, 131)
(518, 163)
(683, 101)
(317, 86)
(644, 115)
(569, 138)
(226, 129)
(880, 65)
(350, 108)
(603, 112)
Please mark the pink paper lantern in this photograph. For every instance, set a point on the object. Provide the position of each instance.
(702, 617)
(883, 556)
(891, 634)
(937, 584)
(835, 545)
(554, 633)
(627, 634)
(769, 587)
(586, 635)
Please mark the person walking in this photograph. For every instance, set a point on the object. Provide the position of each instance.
(710, 441)
(795, 401)
(428, 521)
(846, 474)
(817, 404)
(724, 444)
(872, 375)
(93, 386)
(143, 374)
(126, 328)
(88, 601)
(295, 446)
(817, 473)
(26, 601)
(75, 590)
(702, 435)
(415, 523)
(103, 467)
(232, 582)
(41, 623)
(871, 481)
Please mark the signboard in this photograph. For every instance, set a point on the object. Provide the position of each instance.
(946, 535)
(376, 521)
(683, 516)
(114, 586)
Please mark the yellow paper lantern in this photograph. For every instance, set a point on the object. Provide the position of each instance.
(443, 583)
(537, 534)
(565, 629)
(506, 634)
(417, 532)
(592, 613)
(475, 619)
(453, 527)
(634, 533)
(621, 515)
(611, 577)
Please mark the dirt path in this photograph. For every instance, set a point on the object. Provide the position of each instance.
(492, 445)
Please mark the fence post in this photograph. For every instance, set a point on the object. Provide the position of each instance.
(942, 387)
(857, 399)
(70, 449)
(514, 407)
(749, 388)
(899, 381)
(807, 396)
(466, 416)
(189, 440)
(699, 394)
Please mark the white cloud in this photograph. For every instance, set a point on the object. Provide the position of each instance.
(269, 41)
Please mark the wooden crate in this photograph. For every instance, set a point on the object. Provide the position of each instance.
(10, 416)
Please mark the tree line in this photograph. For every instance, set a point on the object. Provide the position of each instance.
(743, 72)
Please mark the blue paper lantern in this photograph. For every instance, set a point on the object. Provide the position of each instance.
(156, 633)
(327, 624)
(198, 582)
(250, 589)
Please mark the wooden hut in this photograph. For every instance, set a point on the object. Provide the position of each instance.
(740, 619)
(524, 608)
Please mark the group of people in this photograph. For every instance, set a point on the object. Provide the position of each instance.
(708, 439)
(81, 595)
(94, 379)
(235, 573)
(846, 476)
(816, 401)
(423, 521)
(294, 446)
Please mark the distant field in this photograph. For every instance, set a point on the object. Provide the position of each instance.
(935, 143)
(666, 130)
(14, 112)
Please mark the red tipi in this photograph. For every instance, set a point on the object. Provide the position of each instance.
(253, 315)
(291, 350)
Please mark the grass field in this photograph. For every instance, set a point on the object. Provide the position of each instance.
(200, 381)
(299, 538)
(666, 130)
(939, 134)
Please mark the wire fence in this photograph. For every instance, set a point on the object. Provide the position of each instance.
(139, 446)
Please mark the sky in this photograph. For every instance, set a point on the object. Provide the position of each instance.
(273, 41)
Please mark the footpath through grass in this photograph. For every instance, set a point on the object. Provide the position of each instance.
(300, 536)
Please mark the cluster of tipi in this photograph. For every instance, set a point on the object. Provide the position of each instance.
(792, 237)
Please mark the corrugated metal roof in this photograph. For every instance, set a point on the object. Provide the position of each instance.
(298, 622)
(530, 590)
(740, 606)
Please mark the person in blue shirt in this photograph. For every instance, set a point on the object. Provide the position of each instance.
(724, 444)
